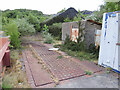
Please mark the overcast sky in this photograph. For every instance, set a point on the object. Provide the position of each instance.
(50, 6)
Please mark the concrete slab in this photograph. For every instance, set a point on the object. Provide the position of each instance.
(102, 80)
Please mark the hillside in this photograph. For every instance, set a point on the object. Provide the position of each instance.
(21, 13)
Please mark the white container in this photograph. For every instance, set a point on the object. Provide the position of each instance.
(109, 54)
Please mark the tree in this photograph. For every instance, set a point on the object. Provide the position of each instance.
(61, 11)
(106, 7)
(11, 29)
(24, 27)
(112, 6)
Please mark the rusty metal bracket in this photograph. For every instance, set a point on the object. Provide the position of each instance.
(117, 43)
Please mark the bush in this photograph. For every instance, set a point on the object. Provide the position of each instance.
(80, 46)
(45, 31)
(24, 27)
(46, 35)
(12, 30)
(6, 84)
(56, 30)
(48, 39)
(92, 49)
(71, 45)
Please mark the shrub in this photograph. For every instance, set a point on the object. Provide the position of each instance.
(56, 29)
(80, 46)
(45, 28)
(48, 38)
(24, 27)
(12, 30)
(45, 31)
(71, 45)
(33, 19)
(92, 49)
(6, 84)
(88, 72)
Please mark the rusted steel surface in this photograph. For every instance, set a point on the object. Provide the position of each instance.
(88, 66)
(3, 41)
(117, 43)
(62, 68)
(91, 66)
(40, 76)
(42, 50)
(4, 52)
(6, 58)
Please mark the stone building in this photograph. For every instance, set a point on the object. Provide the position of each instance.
(88, 28)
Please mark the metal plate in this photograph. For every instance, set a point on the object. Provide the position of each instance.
(40, 76)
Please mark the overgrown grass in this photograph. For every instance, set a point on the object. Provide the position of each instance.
(82, 55)
(48, 39)
(59, 57)
(88, 72)
(14, 77)
(77, 49)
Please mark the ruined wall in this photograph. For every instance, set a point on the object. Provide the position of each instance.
(89, 34)
(88, 27)
(66, 28)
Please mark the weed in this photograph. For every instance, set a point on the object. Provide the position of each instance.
(59, 57)
(88, 72)
(48, 39)
(6, 82)
(20, 78)
(57, 46)
(82, 55)
(14, 77)
(78, 49)
(108, 69)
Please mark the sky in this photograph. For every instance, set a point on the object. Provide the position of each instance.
(51, 6)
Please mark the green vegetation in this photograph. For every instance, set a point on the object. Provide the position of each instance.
(61, 11)
(21, 22)
(24, 27)
(56, 30)
(107, 7)
(82, 55)
(73, 46)
(88, 72)
(47, 35)
(48, 39)
(14, 77)
(6, 83)
(79, 17)
(0, 20)
(12, 30)
(59, 57)
(77, 50)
